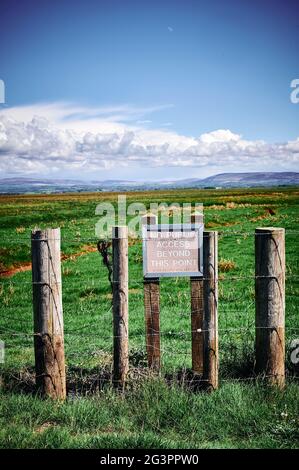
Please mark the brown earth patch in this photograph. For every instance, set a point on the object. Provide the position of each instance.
(269, 212)
(44, 427)
(212, 224)
(27, 266)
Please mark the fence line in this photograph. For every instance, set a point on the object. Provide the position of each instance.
(221, 233)
(180, 334)
(222, 277)
(183, 336)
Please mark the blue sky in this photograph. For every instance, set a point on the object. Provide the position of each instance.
(154, 75)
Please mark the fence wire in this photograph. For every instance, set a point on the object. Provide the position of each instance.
(88, 319)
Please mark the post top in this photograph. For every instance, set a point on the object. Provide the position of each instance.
(269, 229)
(46, 233)
(120, 231)
(149, 218)
(196, 217)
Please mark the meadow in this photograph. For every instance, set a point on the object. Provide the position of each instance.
(154, 411)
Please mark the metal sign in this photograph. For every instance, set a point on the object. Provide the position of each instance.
(172, 250)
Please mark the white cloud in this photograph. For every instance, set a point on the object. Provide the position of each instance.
(61, 138)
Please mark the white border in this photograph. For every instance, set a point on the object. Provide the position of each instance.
(199, 227)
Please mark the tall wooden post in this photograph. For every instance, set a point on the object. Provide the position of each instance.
(48, 316)
(120, 304)
(270, 304)
(196, 285)
(152, 322)
(152, 311)
(210, 316)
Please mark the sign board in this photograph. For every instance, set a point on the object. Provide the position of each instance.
(172, 250)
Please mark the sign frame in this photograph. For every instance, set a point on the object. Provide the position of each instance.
(198, 227)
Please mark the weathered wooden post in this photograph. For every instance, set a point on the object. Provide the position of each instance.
(270, 304)
(152, 311)
(120, 304)
(210, 315)
(196, 285)
(48, 316)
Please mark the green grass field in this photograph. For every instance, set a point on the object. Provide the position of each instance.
(160, 412)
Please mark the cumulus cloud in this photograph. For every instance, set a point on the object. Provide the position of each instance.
(61, 137)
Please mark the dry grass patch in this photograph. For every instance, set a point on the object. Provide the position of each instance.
(20, 229)
(226, 265)
(44, 427)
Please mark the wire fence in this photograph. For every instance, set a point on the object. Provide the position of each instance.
(95, 239)
(88, 320)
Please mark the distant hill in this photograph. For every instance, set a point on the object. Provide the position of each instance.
(223, 180)
(253, 179)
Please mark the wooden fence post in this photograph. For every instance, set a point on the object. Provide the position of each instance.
(196, 285)
(152, 311)
(152, 321)
(210, 316)
(48, 316)
(120, 304)
(270, 304)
